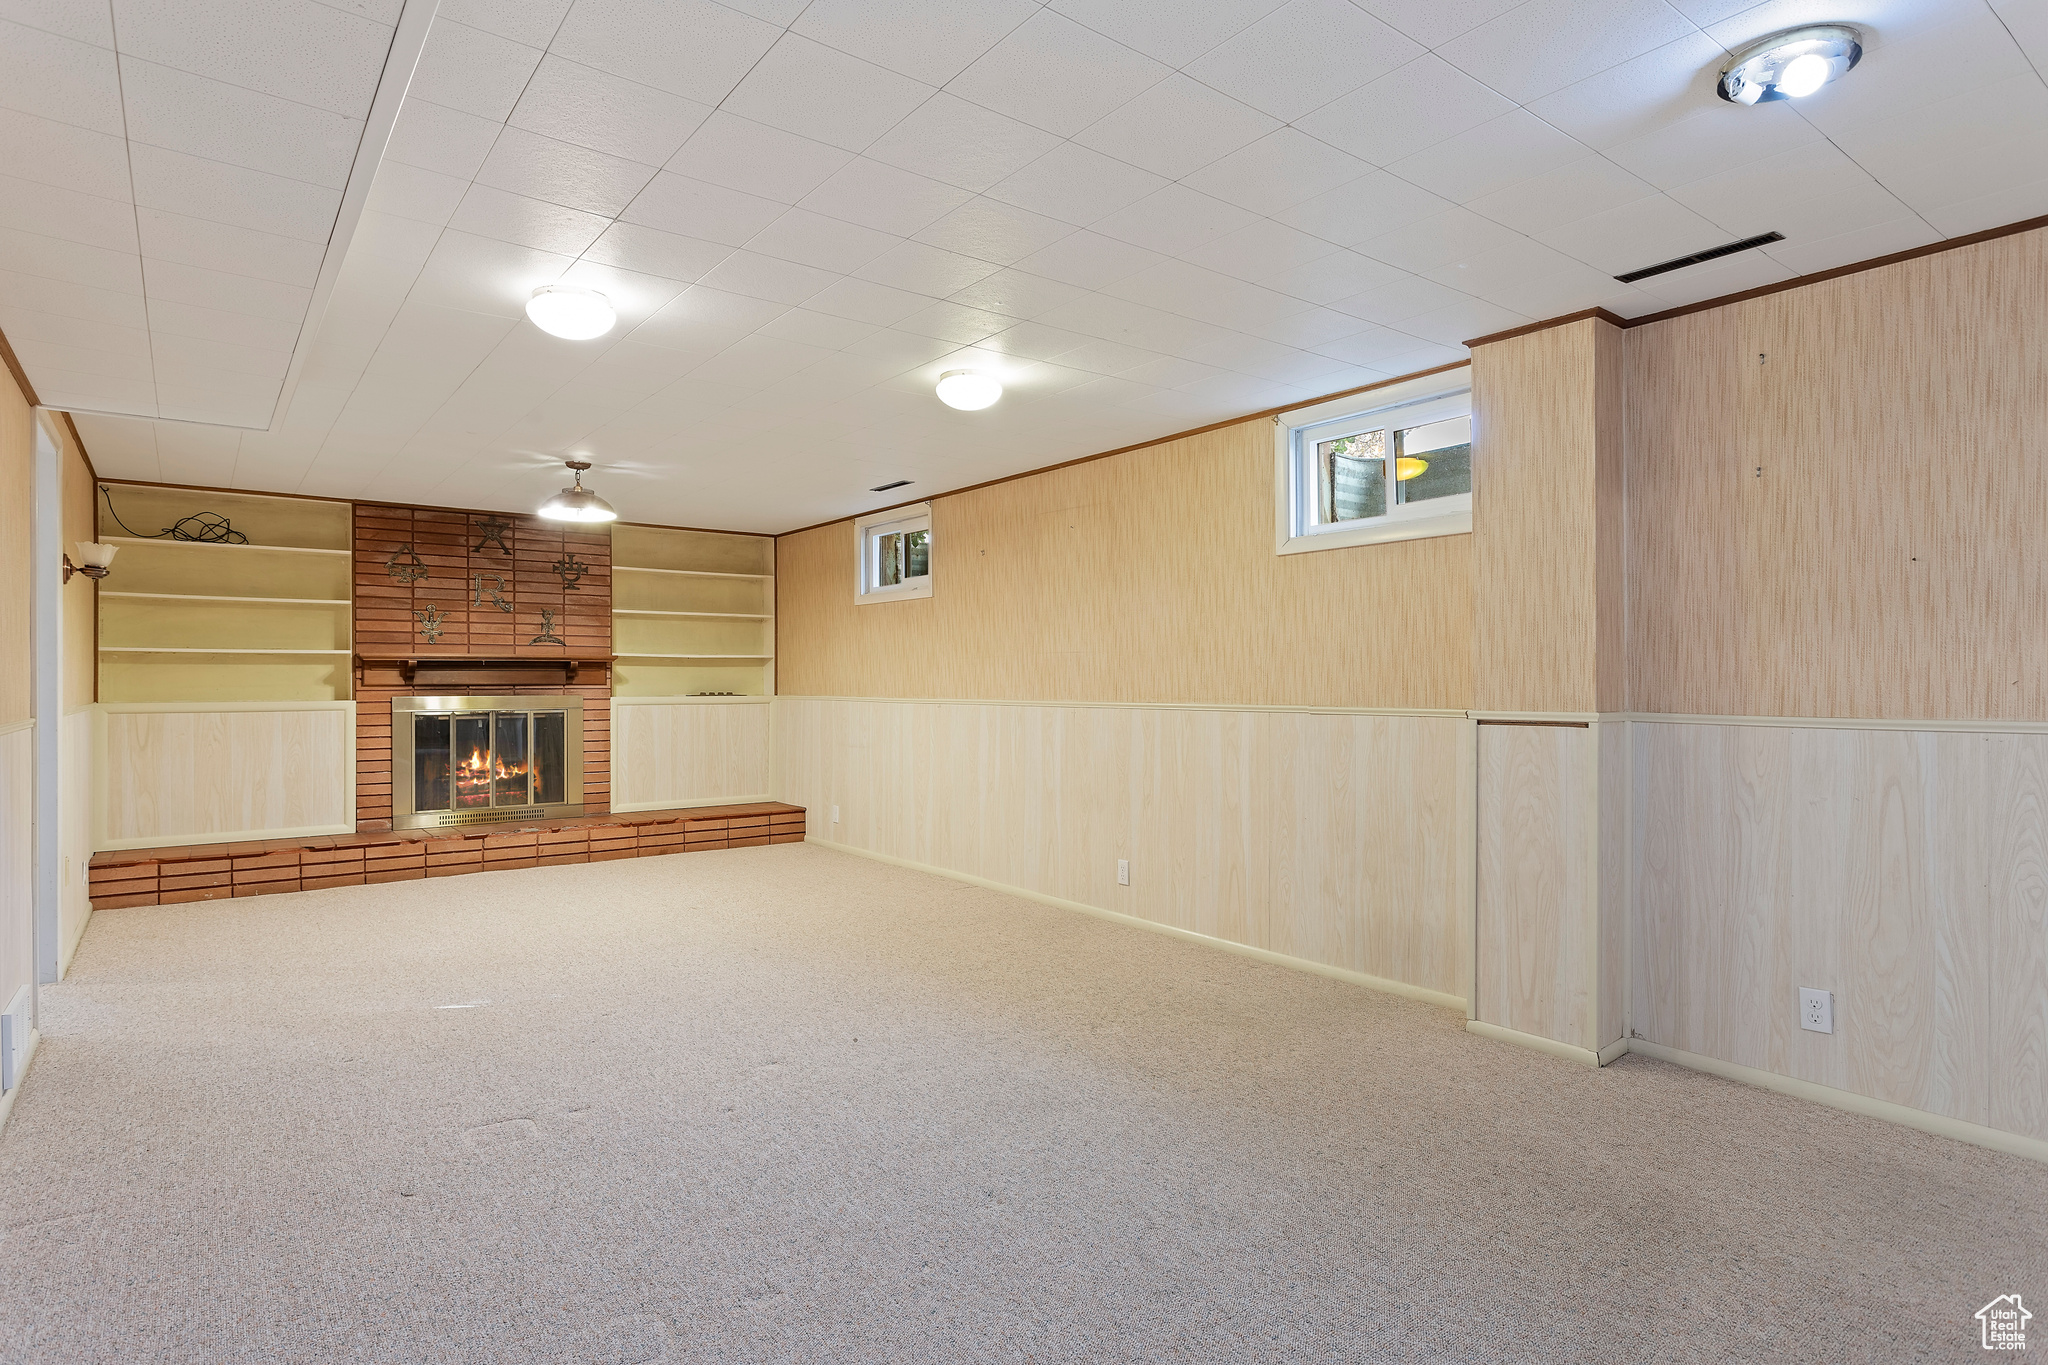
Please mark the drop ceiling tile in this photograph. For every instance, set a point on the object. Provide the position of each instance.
(1901, 73)
(1543, 46)
(532, 22)
(27, 325)
(1392, 304)
(2027, 21)
(1370, 206)
(1036, 341)
(818, 329)
(1277, 172)
(1308, 329)
(632, 246)
(1189, 290)
(2011, 204)
(925, 269)
(1646, 232)
(692, 48)
(758, 361)
(563, 173)
(702, 319)
(1302, 56)
(930, 40)
(845, 102)
(437, 138)
(382, 241)
(85, 21)
(1052, 73)
(1017, 294)
(1638, 96)
(478, 274)
(59, 79)
(52, 211)
(692, 208)
(220, 122)
(993, 231)
(816, 240)
(578, 104)
(1731, 275)
(1863, 244)
(1175, 219)
(963, 144)
(956, 323)
(52, 153)
(468, 69)
(298, 50)
(770, 162)
(866, 301)
(1438, 239)
(1332, 277)
(83, 301)
(1988, 136)
(1405, 111)
(884, 198)
(1259, 250)
(1489, 158)
(523, 221)
(1176, 127)
(1573, 289)
(1502, 267)
(232, 250)
(1573, 190)
(199, 188)
(180, 360)
(1074, 185)
(1088, 260)
(1809, 192)
(419, 195)
(39, 355)
(1712, 141)
(232, 293)
(56, 259)
(1435, 22)
(169, 319)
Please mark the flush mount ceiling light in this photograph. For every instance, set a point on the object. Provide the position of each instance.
(569, 313)
(577, 503)
(968, 390)
(1791, 64)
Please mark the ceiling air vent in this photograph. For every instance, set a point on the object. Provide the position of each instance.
(885, 487)
(1714, 253)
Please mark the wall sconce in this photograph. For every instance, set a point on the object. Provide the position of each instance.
(96, 556)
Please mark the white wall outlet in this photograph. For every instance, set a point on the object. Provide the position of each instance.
(14, 1026)
(1816, 1010)
(1123, 871)
(835, 815)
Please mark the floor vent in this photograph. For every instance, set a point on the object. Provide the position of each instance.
(1710, 254)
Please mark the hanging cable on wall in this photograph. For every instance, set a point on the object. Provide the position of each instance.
(207, 528)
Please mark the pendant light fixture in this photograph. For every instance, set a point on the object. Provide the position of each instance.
(577, 503)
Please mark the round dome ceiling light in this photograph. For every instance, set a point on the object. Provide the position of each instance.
(577, 503)
(572, 314)
(1790, 65)
(969, 390)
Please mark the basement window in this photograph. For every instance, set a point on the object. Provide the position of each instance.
(895, 554)
(1391, 464)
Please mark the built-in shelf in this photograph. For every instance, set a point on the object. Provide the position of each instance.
(207, 597)
(690, 573)
(222, 545)
(162, 649)
(700, 615)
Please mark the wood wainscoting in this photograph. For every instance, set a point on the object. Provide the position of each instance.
(688, 751)
(1336, 838)
(175, 773)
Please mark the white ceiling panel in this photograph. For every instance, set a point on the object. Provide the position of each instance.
(1143, 215)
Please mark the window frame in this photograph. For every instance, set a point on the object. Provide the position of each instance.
(867, 532)
(1294, 487)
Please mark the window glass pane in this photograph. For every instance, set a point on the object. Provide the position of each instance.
(472, 761)
(1433, 461)
(888, 559)
(511, 768)
(917, 554)
(1352, 477)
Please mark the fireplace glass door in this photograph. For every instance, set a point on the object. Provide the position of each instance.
(469, 762)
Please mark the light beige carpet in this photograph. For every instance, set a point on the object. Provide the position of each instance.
(783, 1104)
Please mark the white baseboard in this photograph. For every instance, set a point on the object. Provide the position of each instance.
(1300, 964)
(1997, 1139)
(1571, 1052)
(28, 1064)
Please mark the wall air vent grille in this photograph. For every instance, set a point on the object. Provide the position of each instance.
(1698, 257)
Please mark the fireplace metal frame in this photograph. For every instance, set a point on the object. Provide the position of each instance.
(403, 709)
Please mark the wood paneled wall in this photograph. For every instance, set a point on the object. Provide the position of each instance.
(17, 524)
(667, 754)
(1148, 577)
(175, 777)
(1905, 871)
(1547, 543)
(1836, 496)
(81, 594)
(1537, 881)
(1339, 839)
(17, 861)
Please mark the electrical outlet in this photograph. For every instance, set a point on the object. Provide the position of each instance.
(1123, 871)
(835, 815)
(1816, 1010)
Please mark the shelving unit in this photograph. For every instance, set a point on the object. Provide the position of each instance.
(197, 621)
(693, 612)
